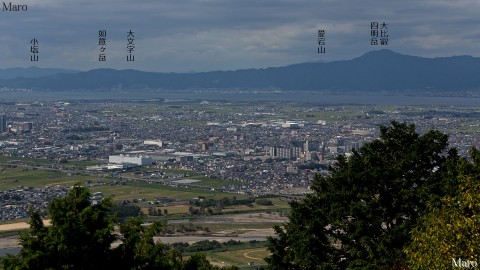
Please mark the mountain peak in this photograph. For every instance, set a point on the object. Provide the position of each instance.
(381, 54)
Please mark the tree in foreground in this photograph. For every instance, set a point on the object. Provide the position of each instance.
(81, 237)
(360, 216)
(449, 236)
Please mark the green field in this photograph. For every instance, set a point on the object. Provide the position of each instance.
(212, 182)
(205, 181)
(151, 191)
(16, 174)
(13, 177)
(27, 177)
(29, 161)
(240, 258)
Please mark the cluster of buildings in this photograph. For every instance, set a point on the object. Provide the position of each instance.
(16, 203)
(314, 150)
(21, 127)
(264, 148)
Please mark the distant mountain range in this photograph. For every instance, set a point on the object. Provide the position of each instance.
(374, 71)
(32, 72)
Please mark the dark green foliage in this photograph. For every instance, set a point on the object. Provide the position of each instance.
(34, 250)
(224, 202)
(361, 215)
(152, 211)
(450, 231)
(198, 261)
(122, 212)
(263, 202)
(204, 245)
(303, 242)
(81, 237)
(139, 250)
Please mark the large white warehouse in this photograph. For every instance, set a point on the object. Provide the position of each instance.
(121, 159)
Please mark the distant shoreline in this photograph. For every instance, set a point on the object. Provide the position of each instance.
(320, 98)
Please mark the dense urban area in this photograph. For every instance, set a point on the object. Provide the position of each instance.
(256, 148)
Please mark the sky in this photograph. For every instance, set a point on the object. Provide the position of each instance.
(208, 35)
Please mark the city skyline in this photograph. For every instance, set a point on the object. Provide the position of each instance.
(228, 35)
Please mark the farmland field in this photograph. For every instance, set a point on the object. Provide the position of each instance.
(240, 258)
(244, 222)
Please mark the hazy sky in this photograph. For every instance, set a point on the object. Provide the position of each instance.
(205, 35)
